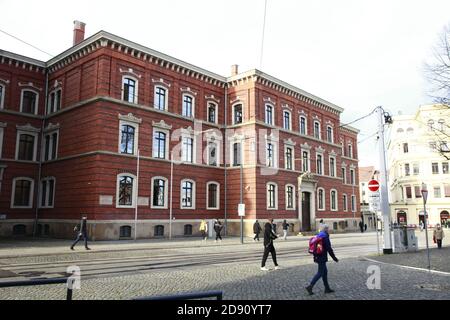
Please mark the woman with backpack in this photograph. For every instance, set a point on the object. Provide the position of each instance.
(320, 247)
(269, 236)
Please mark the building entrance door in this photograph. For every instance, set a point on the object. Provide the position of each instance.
(306, 211)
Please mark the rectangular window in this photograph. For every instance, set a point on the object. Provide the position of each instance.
(269, 150)
(286, 120)
(407, 169)
(437, 192)
(417, 192)
(330, 134)
(26, 147)
(1, 141)
(316, 130)
(289, 197)
(271, 189)
(29, 102)
(447, 190)
(236, 154)
(445, 167)
(125, 191)
(350, 151)
(319, 164)
(212, 196)
(269, 114)
(47, 191)
(344, 178)
(187, 194)
(435, 168)
(212, 113)
(416, 169)
(159, 144)
(54, 101)
(405, 148)
(352, 177)
(353, 203)
(408, 190)
(187, 106)
(160, 98)
(212, 153)
(237, 114)
(305, 159)
(2, 96)
(303, 125)
(127, 139)
(50, 146)
(159, 190)
(188, 149)
(22, 193)
(345, 204)
(332, 167)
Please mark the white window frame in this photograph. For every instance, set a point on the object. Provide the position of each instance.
(194, 187)
(194, 147)
(324, 199)
(275, 196)
(13, 191)
(232, 142)
(217, 195)
(166, 101)
(344, 178)
(334, 166)
(35, 147)
(309, 160)
(134, 189)
(352, 177)
(136, 136)
(54, 100)
(293, 197)
(332, 134)
(166, 192)
(234, 112)
(336, 200)
(345, 202)
(274, 154)
(217, 143)
(47, 198)
(167, 146)
(50, 149)
(2, 133)
(136, 89)
(353, 202)
(322, 165)
(314, 130)
(272, 117)
(286, 146)
(216, 109)
(290, 120)
(2, 97)
(300, 125)
(350, 150)
(192, 107)
(36, 104)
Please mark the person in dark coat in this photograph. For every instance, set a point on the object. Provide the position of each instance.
(285, 229)
(321, 261)
(269, 236)
(218, 228)
(361, 226)
(256, 230)
(274, 226)
(81, 228)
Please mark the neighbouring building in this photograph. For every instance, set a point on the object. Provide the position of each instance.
(418, 153)
(366, 174)
(122, 133)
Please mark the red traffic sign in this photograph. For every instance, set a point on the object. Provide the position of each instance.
(374, 185)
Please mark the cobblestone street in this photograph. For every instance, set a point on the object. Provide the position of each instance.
(154, 269)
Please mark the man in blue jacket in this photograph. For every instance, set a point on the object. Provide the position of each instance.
(321, 260)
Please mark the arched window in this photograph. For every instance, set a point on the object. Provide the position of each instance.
(127, 133)
(212, 195)
(125, 232)
(212, 112)
(317, 129)
(159, 231)
(333, 200)
(287, 120)
(320, 199)
(238, 114)
(159, 192)
(269, 117)
(188, 229)
(188, 106)
(129, 89)
(330, 134)
(19, 230)
(303, 125)
(159, 144)
(161, 98)
(187, 194)
(272, 196)
(125, 190)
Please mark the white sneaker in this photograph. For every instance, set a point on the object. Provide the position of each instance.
(277, 268)
(265, 269)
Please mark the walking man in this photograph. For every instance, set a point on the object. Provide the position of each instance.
(285, 229)
(321, 260)
(438, 235)
(218, 229)
(256, 230)
(204, 229)
(81, 228)
(269, 236)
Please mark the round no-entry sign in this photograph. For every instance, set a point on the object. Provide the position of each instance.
(374, 185)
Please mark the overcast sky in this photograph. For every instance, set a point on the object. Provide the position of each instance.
(356, 54)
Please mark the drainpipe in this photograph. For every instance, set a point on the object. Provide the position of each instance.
(39, 149)
(225, 161)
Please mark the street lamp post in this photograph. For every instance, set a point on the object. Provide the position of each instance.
(424, 192)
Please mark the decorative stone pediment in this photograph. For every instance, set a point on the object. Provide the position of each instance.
(344, 164)
(238, 99)
(272, 137)
(305, 146)
(331, 124)
(236, 137)
(319, 149)
(162, 124)
(28, 127)
(352, 166)
(187, 131)
(51, 127)
(333, 153)
(286, 106)
(302, 112)
(3, 124)
(131, 72)
(289, 142)
(212, 135)
(4, 80)
(161, 82)
(269, 100)
(188, 90)
(130, 117)
(212, 97)
(30, 85)
(56, 84)
(316, 117)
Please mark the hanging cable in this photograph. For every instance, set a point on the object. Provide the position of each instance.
(28, 44)
(263, 35)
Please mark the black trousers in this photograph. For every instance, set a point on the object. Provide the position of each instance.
(256, 236)
(218, 236)
(439, 244)
(81, 235)
(271, 249)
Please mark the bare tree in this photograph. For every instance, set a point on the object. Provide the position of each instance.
(437, 71)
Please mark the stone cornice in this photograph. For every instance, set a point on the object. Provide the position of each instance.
(130, 118)
(162, 124)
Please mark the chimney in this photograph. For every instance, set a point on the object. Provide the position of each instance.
(78, 32)
(234, 69)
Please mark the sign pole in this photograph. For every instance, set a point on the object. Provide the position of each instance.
(424, 192)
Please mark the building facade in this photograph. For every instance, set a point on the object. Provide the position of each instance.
(129, 137)
(418, 153)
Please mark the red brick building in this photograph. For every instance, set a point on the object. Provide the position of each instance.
(114, 130)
